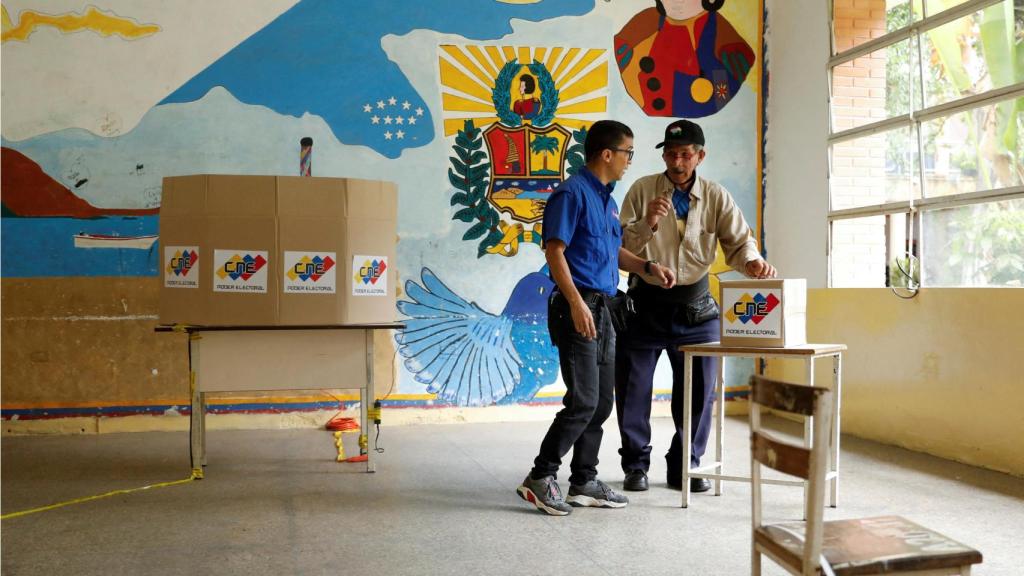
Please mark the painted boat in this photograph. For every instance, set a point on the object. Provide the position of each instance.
(83, 240)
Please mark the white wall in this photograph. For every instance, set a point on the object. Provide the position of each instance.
(797, 183)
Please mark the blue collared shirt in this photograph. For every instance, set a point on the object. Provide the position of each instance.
(681, 202)
(583, 215)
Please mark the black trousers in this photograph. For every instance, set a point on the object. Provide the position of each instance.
(635, 364)
(588, 369)
(665, 320)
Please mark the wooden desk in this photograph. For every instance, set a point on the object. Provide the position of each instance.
(258, 358)
(807, 352)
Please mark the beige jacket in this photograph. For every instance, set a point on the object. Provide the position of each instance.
(714, 216)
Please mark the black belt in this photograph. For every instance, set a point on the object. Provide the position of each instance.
(619, 307)
(676, 295)
(594, 297)
(590, 297)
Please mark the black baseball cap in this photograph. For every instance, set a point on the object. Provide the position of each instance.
(683, 132)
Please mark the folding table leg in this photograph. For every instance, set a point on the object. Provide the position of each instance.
(196, 413)
(837, 379)
(687, 418)
(368, 398)
(808, 425)
(719, 427)
(202, 425)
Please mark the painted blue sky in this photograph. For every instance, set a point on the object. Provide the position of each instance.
(350, 79)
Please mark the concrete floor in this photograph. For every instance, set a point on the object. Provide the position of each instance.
(442, 502)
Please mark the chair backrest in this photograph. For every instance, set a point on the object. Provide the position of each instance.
(811, 464)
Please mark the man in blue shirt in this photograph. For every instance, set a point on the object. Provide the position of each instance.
(583, 248)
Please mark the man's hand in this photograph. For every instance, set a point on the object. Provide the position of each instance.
(582, 319)
(666, 277)
(656, 210)
(760, 269)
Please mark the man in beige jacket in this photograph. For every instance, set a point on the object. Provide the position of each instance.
(677, 219)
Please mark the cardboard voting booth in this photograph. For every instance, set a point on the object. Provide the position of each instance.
(277, 250)
(764, 313)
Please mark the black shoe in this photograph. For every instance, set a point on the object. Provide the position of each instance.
(700, 484)
(636, 481)
(696, 484)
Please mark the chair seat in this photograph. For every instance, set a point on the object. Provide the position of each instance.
(880, 545)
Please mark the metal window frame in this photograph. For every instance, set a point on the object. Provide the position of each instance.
(913, 29)
(910, 119)
(926, 204)
(913, 208)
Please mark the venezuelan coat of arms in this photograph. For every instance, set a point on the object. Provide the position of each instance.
(518, 119)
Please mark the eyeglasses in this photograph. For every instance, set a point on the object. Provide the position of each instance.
(684, 155)
(628, 151)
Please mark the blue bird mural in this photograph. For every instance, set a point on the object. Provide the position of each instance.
(470, 357)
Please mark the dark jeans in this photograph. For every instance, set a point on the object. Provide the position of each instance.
(588, 369)
(635, 363)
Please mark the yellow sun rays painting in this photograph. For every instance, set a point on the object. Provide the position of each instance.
(470, 76)
(517, 118)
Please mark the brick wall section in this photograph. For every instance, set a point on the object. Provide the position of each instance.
(858, 166)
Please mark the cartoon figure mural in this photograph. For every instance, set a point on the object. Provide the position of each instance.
(528, 138)
(682, 58)
(470, 357)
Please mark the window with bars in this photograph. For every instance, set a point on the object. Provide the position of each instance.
(926, 146)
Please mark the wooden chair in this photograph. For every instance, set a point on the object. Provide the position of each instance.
(880, 545)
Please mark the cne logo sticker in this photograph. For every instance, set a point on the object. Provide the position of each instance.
(310, 272)
(369, 275)
(240, 271)
(749, 308)
(180, 266)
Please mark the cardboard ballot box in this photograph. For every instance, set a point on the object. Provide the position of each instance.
(764, 313)
(268, 250)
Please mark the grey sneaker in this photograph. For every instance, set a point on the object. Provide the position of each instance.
(545, 494)
(596, 493)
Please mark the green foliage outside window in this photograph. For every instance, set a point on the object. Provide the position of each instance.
(981, 244)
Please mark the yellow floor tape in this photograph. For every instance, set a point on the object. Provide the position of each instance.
(194, 476)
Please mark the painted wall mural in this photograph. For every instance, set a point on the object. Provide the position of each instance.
(470, 357)
(518, 115)
(477, 109)
(682, 58)
(44, 215)
(90, 19)
(314, 63)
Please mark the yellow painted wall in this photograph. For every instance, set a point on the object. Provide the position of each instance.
(89, 341)
(940, 373)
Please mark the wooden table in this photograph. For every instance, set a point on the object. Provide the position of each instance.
(808, 353)
(261, 358)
